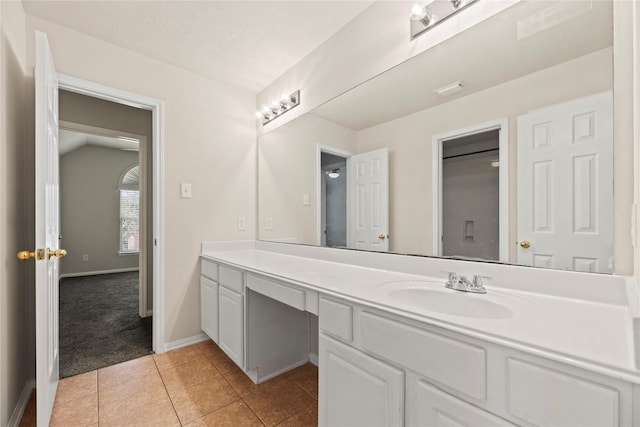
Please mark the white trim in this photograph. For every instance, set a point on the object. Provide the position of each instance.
(99, 272)
(21, 404)
(313, 358)
(184, 342)
(96, 90)
(436, 155)
(320, 148)
(636, 133)
(149, 313)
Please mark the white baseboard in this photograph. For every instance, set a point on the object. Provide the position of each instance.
(173, 345)
(18, 411)
(313, 358)
(95, 273)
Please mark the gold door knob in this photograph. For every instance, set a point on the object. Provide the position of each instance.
(58, 253)
(381, 237)
(37, 254)
(525, 244)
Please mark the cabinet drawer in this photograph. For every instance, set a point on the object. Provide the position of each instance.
(209, 269)
(428, 406)
(542, 396)
(286, 294)
(452, 363)
(336, 319)
(231, 279)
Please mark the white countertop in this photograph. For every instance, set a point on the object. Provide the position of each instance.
(581, 332)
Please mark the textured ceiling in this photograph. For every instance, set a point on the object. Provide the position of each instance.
(247, 43)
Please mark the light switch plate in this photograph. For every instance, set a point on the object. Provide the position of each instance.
(185, 190)
(305, 199)
(268, 223)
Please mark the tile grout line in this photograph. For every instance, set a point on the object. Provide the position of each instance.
(167, 392)
(234, 389)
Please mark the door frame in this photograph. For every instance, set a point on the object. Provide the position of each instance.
(501, 124)
(96, 90)
(320, 148)
(142, 265)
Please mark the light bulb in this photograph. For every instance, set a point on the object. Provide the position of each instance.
(418, 12)
(259, 114)
(285, 99)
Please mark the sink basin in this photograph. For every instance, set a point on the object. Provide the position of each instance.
(450, 302)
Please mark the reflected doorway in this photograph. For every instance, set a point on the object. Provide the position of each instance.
(470, 196)
(470, 192)
(333, 199)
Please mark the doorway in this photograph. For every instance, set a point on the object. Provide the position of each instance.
(470, 194)
(106, 218)
(139, 118)
(333, 184)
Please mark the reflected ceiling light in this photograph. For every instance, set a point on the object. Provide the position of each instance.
(334, 173)
(427, 14)
(495, 163)
(449, 89)
(279, 107)
(420, 13)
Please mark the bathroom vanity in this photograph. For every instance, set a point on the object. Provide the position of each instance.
(396, 347)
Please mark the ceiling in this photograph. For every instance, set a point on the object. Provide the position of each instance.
(245, 43)
(512, 44)
(69, 140)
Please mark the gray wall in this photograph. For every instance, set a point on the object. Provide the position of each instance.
(89, 209)
(96, 112)
(16, 296)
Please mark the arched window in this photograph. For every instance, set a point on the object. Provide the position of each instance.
(129, 192)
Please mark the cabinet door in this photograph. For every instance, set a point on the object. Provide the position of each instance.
(429, 406)
(209, 307)
(357, 390)
(231, 324)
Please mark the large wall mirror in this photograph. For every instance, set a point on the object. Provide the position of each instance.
(495, 145)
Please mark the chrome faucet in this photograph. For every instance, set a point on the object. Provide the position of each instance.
(459, 282)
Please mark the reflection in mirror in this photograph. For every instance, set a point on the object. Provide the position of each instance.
(516, 166)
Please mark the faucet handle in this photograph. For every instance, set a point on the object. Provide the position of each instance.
(478, 280)
(452, 276)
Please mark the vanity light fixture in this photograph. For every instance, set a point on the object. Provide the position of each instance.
(279, 107)
(427, 14)
(450, 88)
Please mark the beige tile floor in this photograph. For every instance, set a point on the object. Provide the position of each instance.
(192, 386)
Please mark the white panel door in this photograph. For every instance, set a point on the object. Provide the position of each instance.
(565, 185)
(368, 190)
(46, 228)
(357, 390)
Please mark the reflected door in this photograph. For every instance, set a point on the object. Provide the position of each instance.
(565, 185)
(368, 189)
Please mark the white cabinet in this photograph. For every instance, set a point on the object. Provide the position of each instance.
(428, 406)
(356, 389)
(209, 298)
(231, 324)
(209, 307)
